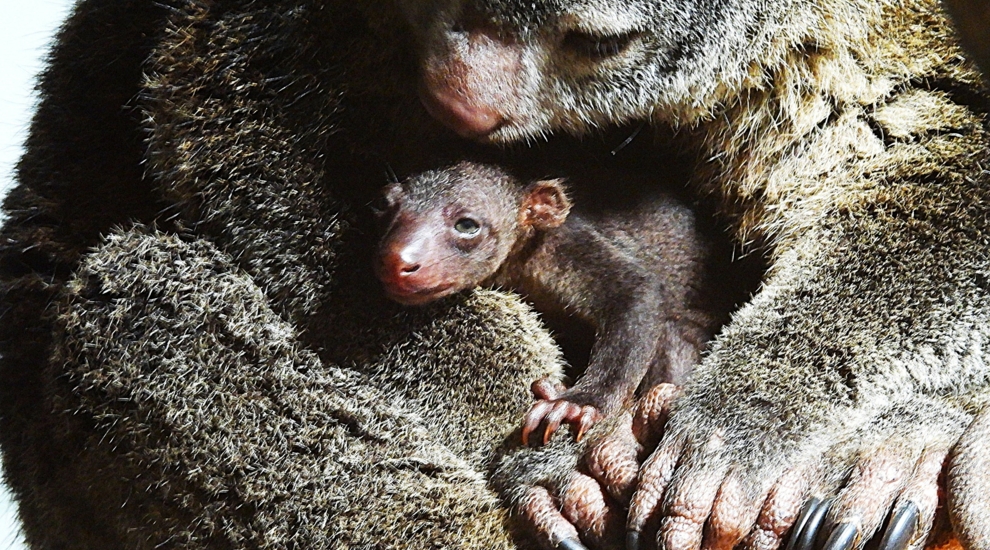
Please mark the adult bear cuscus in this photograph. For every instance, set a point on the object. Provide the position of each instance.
(846, 139)
(195, 354)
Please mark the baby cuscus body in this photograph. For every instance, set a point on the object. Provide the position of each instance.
(635, 274)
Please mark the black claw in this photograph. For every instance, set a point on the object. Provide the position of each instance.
(802, 521)
(632, 540)
(843, 537)
(901, 528)
(570, 544)
(807, 525)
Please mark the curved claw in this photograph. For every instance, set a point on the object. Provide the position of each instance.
(560, 410)
(581, 417)
(571, 544)
(534, 418)
(809, 522)
(551, 414)
(901, 528)
(585, 421)
(844, 536)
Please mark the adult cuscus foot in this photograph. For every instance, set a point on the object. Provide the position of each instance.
(901, 490)
(585, 507)
(876, 486)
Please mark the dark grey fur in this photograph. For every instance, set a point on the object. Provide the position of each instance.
(195, 352)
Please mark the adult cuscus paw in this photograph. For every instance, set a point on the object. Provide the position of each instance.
(692, 495)
(875, 484)
(890, 499)
(587, 509)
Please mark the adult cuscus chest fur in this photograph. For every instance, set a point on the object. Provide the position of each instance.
(844, 139)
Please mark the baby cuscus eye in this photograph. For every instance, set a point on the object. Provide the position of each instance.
(467, 226)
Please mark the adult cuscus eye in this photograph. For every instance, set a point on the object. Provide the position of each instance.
(598, 46)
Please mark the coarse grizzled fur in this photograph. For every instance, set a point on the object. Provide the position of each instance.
(845, 138)
(195, 353)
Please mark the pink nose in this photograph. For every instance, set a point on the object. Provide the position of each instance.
(404, 268)
(472, 85)
(454, 111)
(398, 271)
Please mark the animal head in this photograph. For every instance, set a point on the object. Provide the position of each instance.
(449, 230)
(501, 70)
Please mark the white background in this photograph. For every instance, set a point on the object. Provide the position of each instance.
(26, 29)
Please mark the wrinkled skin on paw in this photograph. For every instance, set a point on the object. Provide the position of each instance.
(886, 494)
(889, 494)
(879, 485)
(576, 498)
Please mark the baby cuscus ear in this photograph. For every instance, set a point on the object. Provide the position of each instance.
(545, 205)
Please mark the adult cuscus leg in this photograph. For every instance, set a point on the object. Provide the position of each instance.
(195, 418)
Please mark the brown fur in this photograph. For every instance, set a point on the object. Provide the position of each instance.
(846, 139)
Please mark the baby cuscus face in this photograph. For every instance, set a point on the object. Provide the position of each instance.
(451, 229)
